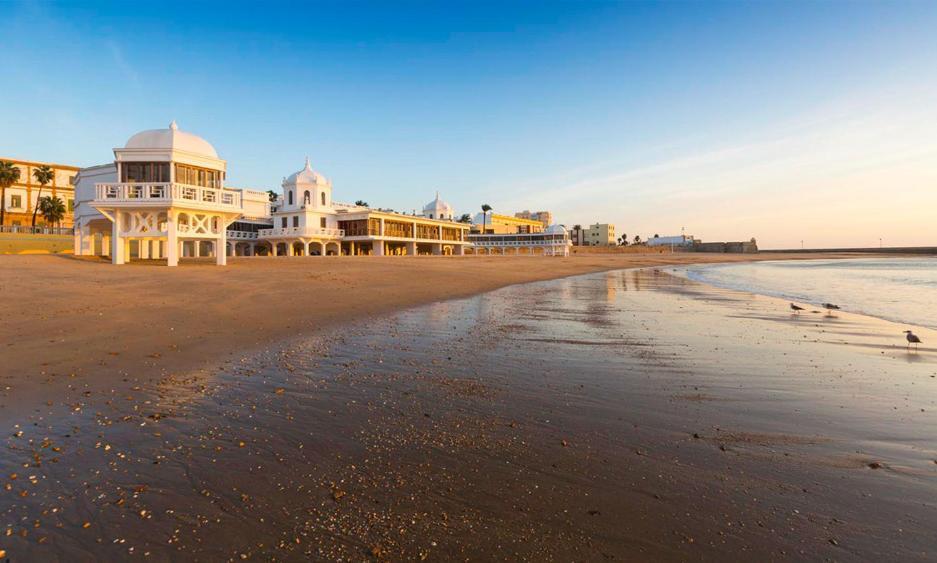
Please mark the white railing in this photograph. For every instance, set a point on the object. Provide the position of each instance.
(340, 205)
(242, 235)
(301, 232)
(521, 243)
(134, 192)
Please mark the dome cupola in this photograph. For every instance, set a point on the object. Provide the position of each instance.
(173, 139)
(438, 209)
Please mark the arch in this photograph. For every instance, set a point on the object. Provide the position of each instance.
(299, 248)
(337, 249)
(307, 198)
(447, 251)
(281, 248)
(323, 198)
(289, 196)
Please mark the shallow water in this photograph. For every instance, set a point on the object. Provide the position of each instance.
(897, 289)
(629, 415)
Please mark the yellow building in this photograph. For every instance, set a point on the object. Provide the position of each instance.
(599, 234)
(544, 217)
(496, 224)
(21, 197)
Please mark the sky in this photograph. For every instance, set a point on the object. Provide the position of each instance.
(809, 124)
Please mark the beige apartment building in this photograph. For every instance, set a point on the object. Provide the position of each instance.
(599, 234)
(21, 198)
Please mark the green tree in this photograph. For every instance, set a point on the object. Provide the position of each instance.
(361, 203)
(53, 209)
(9, 175)
(272, 196)
(623, 240)
(637, 239)
(44, 176)
(465, 218)
(485, 209)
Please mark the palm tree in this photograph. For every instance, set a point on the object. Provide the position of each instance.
(465, 218)
(272, 196)
(9, 175)
(623, 240)
(637, 239)
(43, 175)
(485, 209)
(53, 209)
(361, 203)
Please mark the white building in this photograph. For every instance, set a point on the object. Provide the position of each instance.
(164, 197)
(677, 240)
(554, 241)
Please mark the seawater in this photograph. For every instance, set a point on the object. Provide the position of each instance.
(902, 290)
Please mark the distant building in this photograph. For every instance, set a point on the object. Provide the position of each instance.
(21, 198)
(495, 224)
(438, 209)
(599, 234)
(554, 241)
(676, 240)
(743, 247)
(544, 217)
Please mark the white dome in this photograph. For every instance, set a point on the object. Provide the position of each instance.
(438, 209)
(308, 176)
(171, 139)
(556, 230)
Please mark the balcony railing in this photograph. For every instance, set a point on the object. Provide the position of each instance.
(140, 192)
(510, 243)
(301, 232)
(242, 235)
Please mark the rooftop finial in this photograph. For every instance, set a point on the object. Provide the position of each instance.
(437, 195)
(173, 125)
(308, 167)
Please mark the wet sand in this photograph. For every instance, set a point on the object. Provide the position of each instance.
(627, 415)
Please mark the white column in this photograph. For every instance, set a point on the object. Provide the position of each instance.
(106, 245)
(117, 248)
(197, 248)
(351, 248)
(172, 243)
(143, 246)
(78, 242)
(221, 246)
(459, 250)
(378, 245)
(273, 248)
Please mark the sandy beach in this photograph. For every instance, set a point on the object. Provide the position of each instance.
(389, 409)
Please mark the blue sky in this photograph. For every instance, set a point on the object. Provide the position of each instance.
(783, 121)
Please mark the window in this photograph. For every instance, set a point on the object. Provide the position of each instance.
(145, 172)
(283, 222)
(197, 176)
(16, 201)
(322, 222)
(323, 198)
(71, 205)
(295, 220)
(306, 198)
(289, 196)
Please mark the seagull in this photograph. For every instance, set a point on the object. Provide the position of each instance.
(830, 307)
(797, 309)
(912, 339)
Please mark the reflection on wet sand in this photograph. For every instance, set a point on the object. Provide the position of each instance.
(629, 415)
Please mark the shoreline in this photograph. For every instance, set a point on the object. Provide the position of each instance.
(621, 413)
(81, 321)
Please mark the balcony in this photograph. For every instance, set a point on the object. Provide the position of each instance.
(139, 193)
(301, 232)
